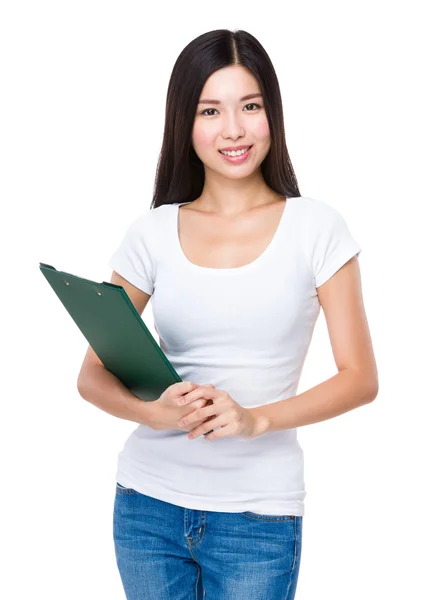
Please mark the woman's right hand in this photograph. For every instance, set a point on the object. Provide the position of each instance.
(167, 410)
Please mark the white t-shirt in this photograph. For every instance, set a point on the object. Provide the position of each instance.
(245, 330)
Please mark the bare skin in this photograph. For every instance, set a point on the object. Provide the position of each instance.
(216, 241)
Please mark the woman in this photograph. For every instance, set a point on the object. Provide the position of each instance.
(210, 493)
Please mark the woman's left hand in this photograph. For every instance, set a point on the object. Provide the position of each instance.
(234, 419)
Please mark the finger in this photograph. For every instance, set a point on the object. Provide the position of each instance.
(204, 385)
(192, 426)
(200, 414)
(189, 428)
(196, 424)
(203, 429)
(184, 387)
(207, 392)
(214, 435)
(212, 431)
(196, 405)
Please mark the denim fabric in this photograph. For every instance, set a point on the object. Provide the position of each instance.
(167, 552)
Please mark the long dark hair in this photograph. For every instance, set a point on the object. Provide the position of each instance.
(180, 172)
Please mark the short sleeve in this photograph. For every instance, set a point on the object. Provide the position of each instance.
(133, 258)
(333, 243)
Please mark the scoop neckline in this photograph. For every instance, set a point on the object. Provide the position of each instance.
(229, 270)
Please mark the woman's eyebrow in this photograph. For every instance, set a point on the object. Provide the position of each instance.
(248, 97)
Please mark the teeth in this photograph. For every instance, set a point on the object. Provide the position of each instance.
(237, 153)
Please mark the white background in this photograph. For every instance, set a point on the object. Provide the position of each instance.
(82, 114)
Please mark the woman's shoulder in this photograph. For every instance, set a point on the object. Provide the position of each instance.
(313, 205)
(152, 216)
(314, 212)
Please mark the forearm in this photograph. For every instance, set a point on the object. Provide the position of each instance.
(343, 392)
(105, 391)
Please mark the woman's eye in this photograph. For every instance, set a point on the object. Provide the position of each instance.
(205, 111)
(250, 104)
(253, 104)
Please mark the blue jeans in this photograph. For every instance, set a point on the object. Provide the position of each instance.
(165, 551)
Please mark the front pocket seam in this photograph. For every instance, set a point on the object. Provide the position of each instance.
(271, 518)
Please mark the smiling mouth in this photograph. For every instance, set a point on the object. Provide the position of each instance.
(243, 152)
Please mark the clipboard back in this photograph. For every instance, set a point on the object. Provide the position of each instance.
(109, 321)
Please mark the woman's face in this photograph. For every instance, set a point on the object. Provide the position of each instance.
(232, 122)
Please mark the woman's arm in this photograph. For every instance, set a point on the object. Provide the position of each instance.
(356, 383)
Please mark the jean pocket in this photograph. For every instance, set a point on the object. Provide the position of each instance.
(124, 490)
(260, 517)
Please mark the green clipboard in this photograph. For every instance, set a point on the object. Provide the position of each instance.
(115, 330)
